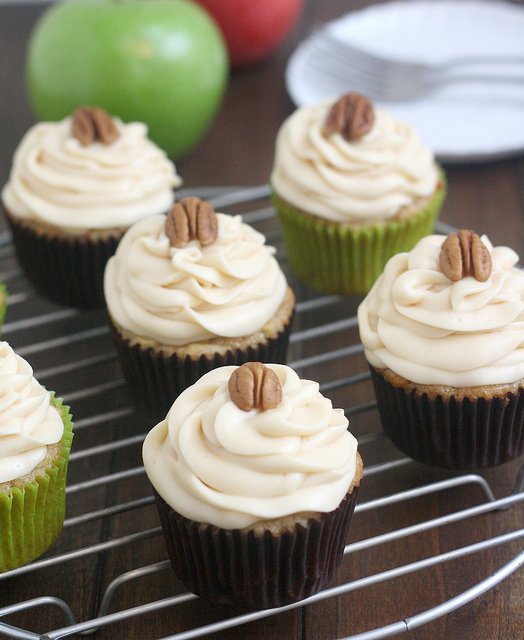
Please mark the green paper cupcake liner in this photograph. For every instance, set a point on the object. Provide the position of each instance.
(155, 379)
(3, 303)
(347, 259)
(452, 433)
(31, 518)
(65, 270)
(237, 567)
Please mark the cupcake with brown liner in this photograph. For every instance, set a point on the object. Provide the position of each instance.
(352, 186)
(35, 440)
(75, 187)
(256, 477)
(443, 332)
(189, 292)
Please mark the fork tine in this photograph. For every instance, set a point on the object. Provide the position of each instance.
(356, 83)
(354, 69)
(365, 75)
(344, 70)
(345, 62)
(392, 79)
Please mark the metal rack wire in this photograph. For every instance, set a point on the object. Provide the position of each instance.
(108, 434)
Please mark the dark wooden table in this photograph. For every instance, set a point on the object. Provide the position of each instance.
(238, 150)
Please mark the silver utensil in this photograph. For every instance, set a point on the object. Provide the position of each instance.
(338, 67)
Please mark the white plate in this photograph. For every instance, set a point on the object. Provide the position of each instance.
(470, 122)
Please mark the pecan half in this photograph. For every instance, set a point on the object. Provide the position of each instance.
(464, 254)
(191, 219)
(352, 116)
(255, 386)
(93, 123)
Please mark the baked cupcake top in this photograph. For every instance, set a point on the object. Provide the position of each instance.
(217, 460)
(65, 178)
(346, 173)
(434, 320)
(228, 287)
(28, 420)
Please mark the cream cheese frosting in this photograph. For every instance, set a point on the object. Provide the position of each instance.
(368, 179)
(214, 463)
(28, 420)
(229, 288)
(57, 181)
(430, 330)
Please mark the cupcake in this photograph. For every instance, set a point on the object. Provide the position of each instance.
(352, 186)
(443, 332)
(255, 477)
(35, 439)
(75, 186)
(189, 292)
(3, 303)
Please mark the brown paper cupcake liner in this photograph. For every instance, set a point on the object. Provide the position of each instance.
(31, 518)
(155, 379)
(66, 270)
(239, 568)
(452, 433)
(347, 259)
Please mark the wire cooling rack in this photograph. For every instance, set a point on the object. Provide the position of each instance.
(90, 580)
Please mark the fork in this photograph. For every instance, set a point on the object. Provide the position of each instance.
(387, 80)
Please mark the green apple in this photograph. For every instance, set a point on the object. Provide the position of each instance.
(162, 62)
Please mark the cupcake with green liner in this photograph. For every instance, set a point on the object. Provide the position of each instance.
(443, 332)
(256, 477)
(35, 439)
(75, 186)
(352, 186)
(189, 292)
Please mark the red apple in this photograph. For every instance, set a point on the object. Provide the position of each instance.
(253, 28)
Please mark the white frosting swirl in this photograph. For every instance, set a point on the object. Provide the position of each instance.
(429, 330)
(214, 463)
(57, 181)
(28, 421)
(230, 288)
(363, 180)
